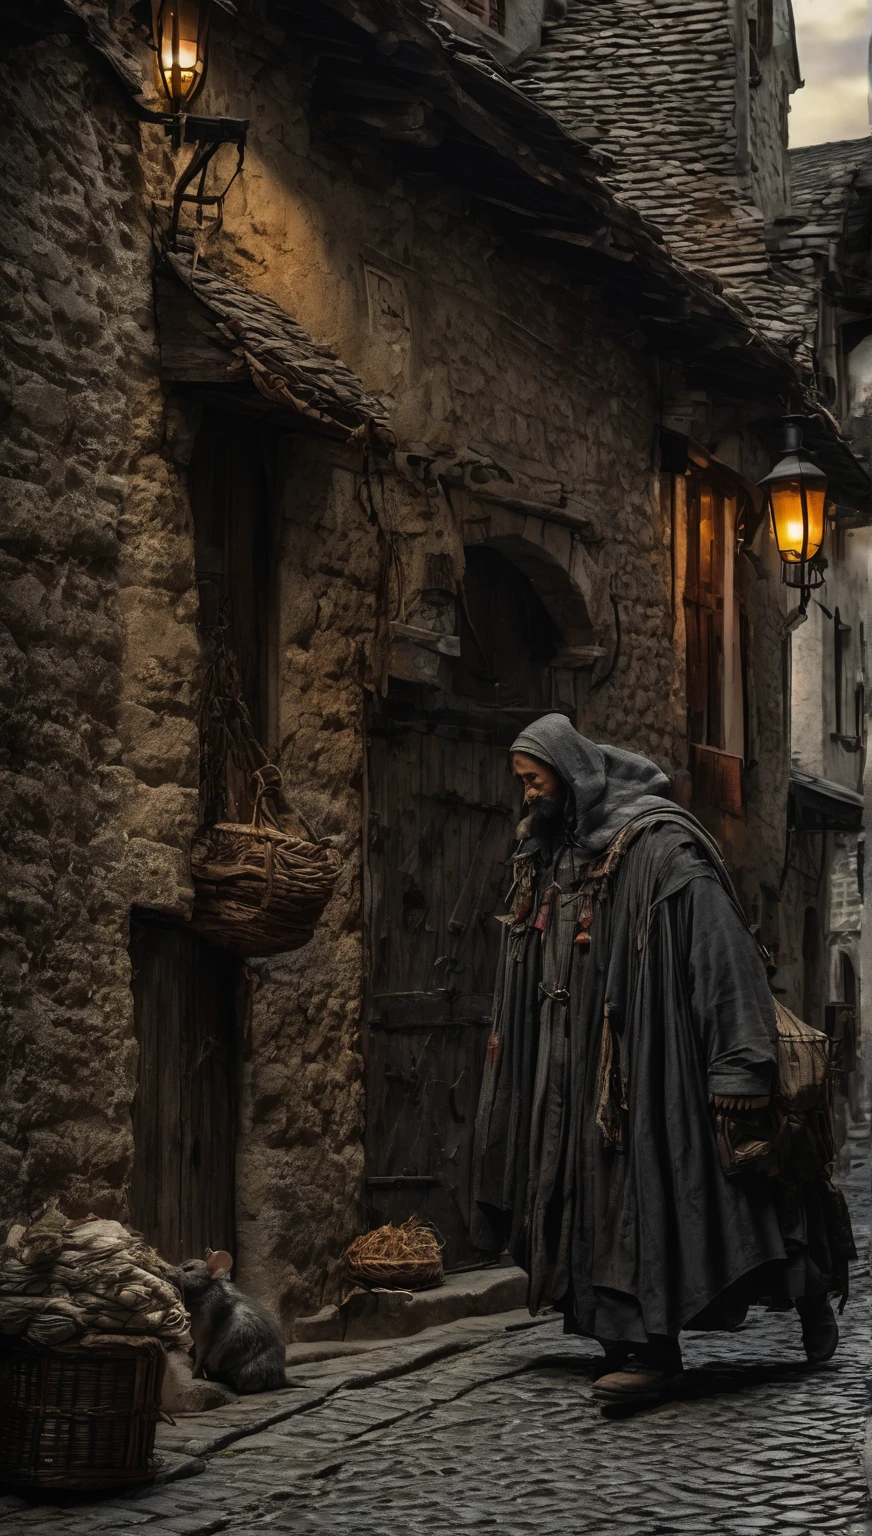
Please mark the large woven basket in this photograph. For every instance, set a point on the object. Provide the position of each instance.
(259, 891)
(79, 1416)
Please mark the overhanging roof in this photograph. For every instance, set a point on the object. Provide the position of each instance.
(214, 332)
(849, 484)
(392, 72)
(819, 805)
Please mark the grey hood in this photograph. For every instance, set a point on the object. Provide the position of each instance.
(607, 786)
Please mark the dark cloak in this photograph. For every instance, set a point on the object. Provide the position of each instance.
(650, 1237)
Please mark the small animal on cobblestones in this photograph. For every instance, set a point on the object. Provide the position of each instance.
(235, 1339)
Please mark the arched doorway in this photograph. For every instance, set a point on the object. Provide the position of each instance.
(849, 1043)
(507, 636)
(441, 813)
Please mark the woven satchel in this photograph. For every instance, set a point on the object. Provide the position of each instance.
(803, 1062)
(794, 1128)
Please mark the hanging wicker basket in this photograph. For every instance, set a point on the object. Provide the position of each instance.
(258, 890)
(79, 1416)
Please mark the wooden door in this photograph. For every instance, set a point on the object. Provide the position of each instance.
(441, 815)
(184, 1113)
(231, 474)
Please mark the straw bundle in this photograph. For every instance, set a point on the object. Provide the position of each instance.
(408, 1257)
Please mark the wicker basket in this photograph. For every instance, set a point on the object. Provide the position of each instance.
(259, 891)
(407, 1258)
(79, 1416)
(408, 1275)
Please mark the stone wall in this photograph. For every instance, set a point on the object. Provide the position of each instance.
(412, 292)
(410, 287)
(815, 746)
(773, 78)
(100, 756)
(300, 1152)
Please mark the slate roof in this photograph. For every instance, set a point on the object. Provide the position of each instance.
(823, 178)
(659, 81)
(394, 71)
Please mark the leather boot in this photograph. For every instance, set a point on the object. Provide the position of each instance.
(650, 1377)
(820, 1331)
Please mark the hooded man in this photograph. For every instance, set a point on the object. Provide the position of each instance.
(633, 1022)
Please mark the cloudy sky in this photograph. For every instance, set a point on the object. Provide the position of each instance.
(832, 37)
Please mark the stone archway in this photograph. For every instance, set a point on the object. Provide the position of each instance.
(442, 807)
(556, 560)
(559, 592)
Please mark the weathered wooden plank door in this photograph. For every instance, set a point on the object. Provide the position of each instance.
(442, 810)
(184, 1113)
(440, 827)
(185, 990)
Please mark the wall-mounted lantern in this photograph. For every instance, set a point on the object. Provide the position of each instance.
(180, 38)
(796, 491)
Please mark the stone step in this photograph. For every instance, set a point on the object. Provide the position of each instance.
(380, 1313)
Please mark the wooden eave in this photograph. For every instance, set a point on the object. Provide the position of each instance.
(848, 482)
(217, 336)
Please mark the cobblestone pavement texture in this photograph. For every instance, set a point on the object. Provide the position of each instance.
(505, 1437)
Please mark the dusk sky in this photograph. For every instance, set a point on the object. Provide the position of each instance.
(832, 36)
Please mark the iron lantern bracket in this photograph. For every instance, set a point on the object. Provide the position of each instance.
(214, 130)
(196, 170)
(191, 127)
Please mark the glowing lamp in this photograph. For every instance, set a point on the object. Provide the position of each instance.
(180, 33)
(797, 491)
(797, 496)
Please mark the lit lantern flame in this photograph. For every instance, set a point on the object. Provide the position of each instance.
(187, 59)
(797, 492)
(797, 543)
(179, 36)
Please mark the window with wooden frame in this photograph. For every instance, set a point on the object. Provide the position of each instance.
(841, 645)
(718, 643)
(704, 610)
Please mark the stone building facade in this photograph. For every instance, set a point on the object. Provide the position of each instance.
(788, 234)
(535, 398)
(825, 244)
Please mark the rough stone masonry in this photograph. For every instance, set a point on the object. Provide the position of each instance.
(487, 359)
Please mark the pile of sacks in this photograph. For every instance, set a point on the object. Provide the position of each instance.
(60, 1279)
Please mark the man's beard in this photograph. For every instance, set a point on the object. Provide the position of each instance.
(543, 820)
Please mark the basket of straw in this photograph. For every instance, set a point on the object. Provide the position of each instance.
(408, 1257)
(259, 890)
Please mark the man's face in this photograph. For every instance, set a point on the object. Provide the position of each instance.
(540, 782)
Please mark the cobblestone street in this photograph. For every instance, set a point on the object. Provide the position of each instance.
(503, 1435)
